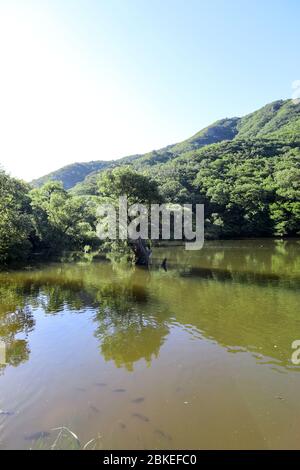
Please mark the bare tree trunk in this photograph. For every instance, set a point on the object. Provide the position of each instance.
(142, 252)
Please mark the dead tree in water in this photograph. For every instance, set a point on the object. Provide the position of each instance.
(142, 252)
(164, 264)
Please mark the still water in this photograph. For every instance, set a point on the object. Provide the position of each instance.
(198, 356)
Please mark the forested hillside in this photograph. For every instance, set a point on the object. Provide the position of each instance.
(279, 120)
(72, 174)
(246, 171)
(248, 179)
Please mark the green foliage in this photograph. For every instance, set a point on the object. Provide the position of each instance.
(125, 181)
(138, 188)
(277, 120)
(242, 186)
(246, 171)
(61, 221)
(15, 219)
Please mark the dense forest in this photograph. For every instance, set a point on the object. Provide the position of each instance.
(246, 171)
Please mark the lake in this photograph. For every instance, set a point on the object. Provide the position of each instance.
(195, 357)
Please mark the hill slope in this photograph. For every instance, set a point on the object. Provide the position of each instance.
(279, 120)
(72, 174)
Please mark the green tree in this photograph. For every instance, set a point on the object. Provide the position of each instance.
(124, 181)
(62, 221)
(139, 189)
(15, 219)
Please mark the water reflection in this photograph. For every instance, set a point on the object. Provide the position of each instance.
(129, 336)
(16, 322)
(259, 262)
(243, 295)
(12, 324)
(125, 326)
(241, 317)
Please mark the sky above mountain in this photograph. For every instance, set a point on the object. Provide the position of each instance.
(99, 79)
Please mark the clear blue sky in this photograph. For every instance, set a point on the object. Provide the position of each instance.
(100, 79)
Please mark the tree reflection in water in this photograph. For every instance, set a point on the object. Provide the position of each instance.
(127, 328)
(17, 350)
(243, 295)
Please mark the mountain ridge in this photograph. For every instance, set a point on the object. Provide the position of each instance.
(276, 120)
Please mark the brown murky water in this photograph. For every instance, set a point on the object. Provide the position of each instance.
(195, 357)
